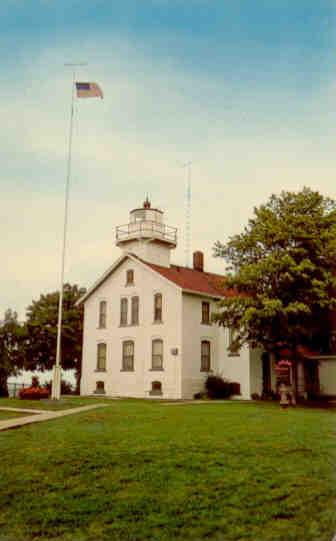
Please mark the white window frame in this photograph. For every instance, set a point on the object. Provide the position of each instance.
(123, 357)
(99, 368)
(156, 368)
(100, 326)
(157, 294)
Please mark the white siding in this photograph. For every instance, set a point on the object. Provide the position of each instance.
(153, 252)
(256, 376)
(327, 373)
(234, 368)
(137, 383)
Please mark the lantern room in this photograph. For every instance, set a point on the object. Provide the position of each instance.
(147, 236)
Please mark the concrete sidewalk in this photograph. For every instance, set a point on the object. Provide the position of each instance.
(40, 415)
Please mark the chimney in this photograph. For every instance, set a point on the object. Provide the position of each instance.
(198, 260)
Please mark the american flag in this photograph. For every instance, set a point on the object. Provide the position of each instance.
(88, 90)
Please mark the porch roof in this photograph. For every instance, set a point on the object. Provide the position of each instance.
(305, 352)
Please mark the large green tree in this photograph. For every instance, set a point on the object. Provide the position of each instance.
(12, 340)
(41, 325)
(282, 268)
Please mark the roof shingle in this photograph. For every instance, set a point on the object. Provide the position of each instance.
(206, 283)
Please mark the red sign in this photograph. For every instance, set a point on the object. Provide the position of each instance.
(285, 362)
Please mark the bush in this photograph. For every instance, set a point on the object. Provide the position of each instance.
(35, 381)
(200, 395)
(218, 387)
(235, 388)
(270, 395)
(66, 387)
(33, 393)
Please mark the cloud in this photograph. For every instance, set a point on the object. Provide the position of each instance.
(153, 117)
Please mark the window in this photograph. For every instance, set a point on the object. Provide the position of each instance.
(102, 314)
(129, 277)
(101, 357)
(123, 311)
(100, 387)
(140, 215)
(135, 311)
(205, 356)
(206, 312)
(156, 388)
(158, 307)
(157, 354)
(128, 356)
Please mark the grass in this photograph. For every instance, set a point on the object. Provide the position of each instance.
(66, 402)
(10, 415)
(137, 471)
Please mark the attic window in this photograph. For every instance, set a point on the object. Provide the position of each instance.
(129, 277)
(102, 314)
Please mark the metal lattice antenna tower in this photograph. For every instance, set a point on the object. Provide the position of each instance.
(187, 247)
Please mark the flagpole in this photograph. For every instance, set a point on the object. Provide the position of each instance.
(56, 380)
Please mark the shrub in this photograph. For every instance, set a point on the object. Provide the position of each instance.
(218, 387)
(33, 393)
(235, 388)
(66, 387)
(255, 396)
(35, 381)
(270, 395)
(200, 395)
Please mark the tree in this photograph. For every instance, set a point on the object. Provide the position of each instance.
(41, 325)
(12, 338)
(282, 268)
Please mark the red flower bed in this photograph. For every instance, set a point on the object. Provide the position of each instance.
(33, 393)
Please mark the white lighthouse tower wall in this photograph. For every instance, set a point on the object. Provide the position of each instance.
(151, 251)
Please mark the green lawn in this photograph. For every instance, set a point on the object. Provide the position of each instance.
(137, 471)
(10, 415)
(66, 402)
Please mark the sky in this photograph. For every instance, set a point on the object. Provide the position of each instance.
(246, 89)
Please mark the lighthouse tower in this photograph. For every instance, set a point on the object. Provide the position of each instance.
(147, 236)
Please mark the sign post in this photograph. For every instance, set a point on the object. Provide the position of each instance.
(283, 372)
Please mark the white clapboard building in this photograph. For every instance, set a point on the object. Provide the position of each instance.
(147, 323)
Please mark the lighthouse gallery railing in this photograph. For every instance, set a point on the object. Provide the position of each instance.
(146, 228)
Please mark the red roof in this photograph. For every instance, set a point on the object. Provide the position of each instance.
(302, 351)
(204, 283)
(193, 280)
